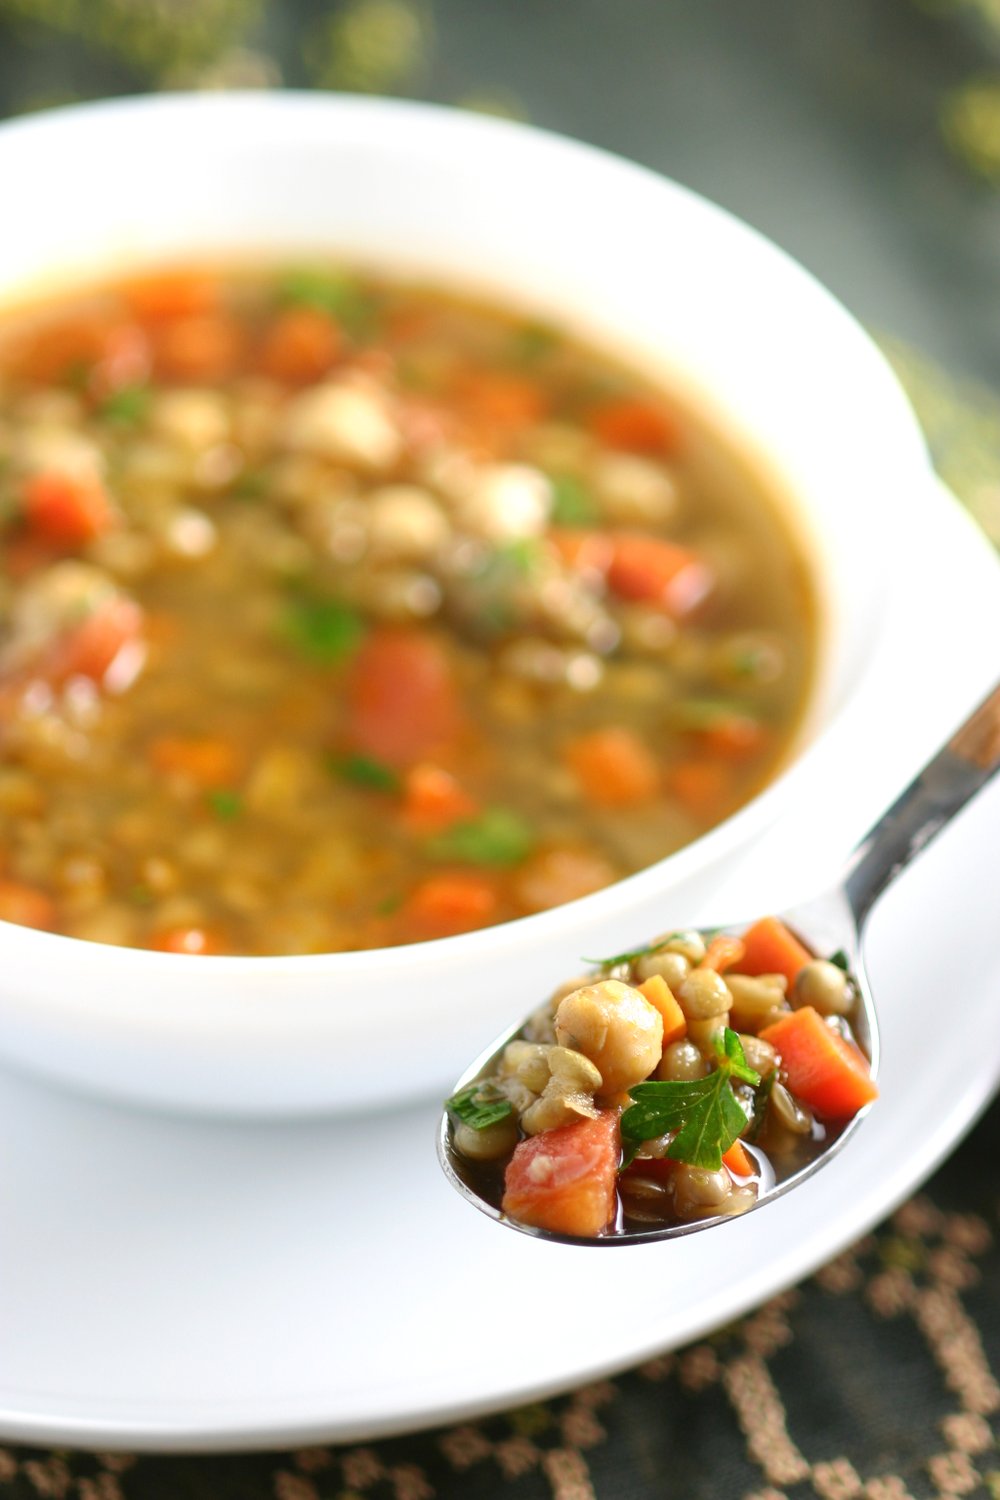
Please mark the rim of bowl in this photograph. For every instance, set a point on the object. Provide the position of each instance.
(736, 831)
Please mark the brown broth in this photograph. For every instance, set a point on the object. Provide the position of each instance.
(251, 529)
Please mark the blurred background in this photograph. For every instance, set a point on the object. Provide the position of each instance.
(863, 136)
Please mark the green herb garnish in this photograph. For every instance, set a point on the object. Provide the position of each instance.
(388, 905)
(573, 502)
(478, 1106)
(126, 407)
(706, 713)
(364, 770)
(225, 804)
(841, 961)
(496, 837)
(323, 629)
(532, 341)
(761, 1099)
(631, 954)
(704, 1112)
(335, 293)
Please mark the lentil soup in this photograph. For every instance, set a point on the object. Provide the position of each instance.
(338, 613)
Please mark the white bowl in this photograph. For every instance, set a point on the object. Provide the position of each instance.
(632, 260)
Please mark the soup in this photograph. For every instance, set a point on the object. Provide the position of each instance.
(338, 613)
(675, 1084)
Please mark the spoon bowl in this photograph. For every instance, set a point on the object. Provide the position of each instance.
(831, 923)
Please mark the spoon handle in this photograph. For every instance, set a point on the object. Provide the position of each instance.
(932, 799)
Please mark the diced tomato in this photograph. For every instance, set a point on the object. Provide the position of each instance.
(446, 904)
(651, 570)
(25, 905)
(402, 701)
(565, 1180)
(822, 1069)
(93, 648)
(64, 510)
(433, 800)
(638, 426)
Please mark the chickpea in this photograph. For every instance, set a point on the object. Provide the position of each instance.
(699, 1193)
(755, 1002)
(568, 1095)
(673, 967)
(617, 1028)
(825, 987)
(488, 1144)
(703, 994)
(760, 1055)
(681, 1061)
(690, 943)
(705, 1033)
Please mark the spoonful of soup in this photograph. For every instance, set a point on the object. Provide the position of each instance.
(678, 1085)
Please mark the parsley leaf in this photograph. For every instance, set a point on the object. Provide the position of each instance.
(631, 954)
(573, 504)
(496, 837)
(128, 406)
(478, 1106)
(840, 960)
(225, 804)
(323, 629)
(704, 1112)
(337, 294)
(365, 771)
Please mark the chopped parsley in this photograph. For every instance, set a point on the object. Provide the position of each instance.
(339, 295)
(126, 407)
(840, 960)
(532, 341)
(364, 770)
(324, 630)
(704, 1112)
(478, 1105)
(573, 502)
(631, 954)
(496, 837)
(225, 804)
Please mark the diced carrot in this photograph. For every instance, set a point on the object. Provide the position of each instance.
(206, 761)
(564, 1180)
(502, 400)
(635, 425)
(300, 345)
(733, 736)
(703, 787)
(434, 800)
(651, 570)
(193, 940)
(26, 906)
(62, 348)
(203, 347)
(657, 992)
(445, 904)
(614, 767)
(95, 646)
(165, 295)
(723, 952)
(769, 948)
(821, 1068)
(65, 510)
(561, 873)
(402, 702)
(738, 1160)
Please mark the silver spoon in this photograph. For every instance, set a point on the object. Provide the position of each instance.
(833, 921)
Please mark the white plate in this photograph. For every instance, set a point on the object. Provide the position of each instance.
(173, 1284)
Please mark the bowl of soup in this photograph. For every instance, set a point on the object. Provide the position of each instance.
(426, 544)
